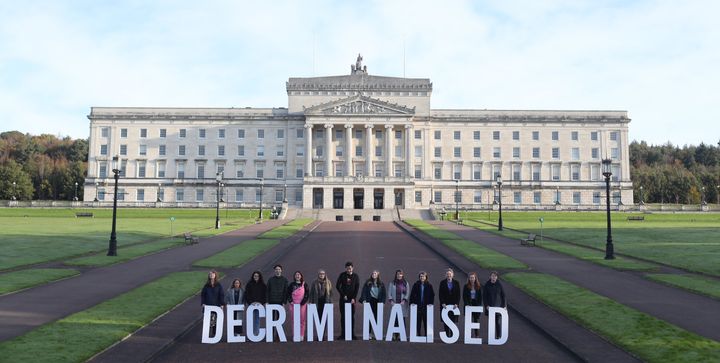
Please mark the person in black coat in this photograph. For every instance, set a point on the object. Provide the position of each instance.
(422, 295)
(255, 294)
(472, 296)
(348, 284)
(373, 291)
(212, 294)
(494, 295)
(449, 294)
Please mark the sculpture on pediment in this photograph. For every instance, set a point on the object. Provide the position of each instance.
(358, 67)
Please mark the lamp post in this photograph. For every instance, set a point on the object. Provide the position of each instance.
(218, 180)
(702, 201)
(498, 180)
(641, 196)
(718, 194)
(75, 198)
(285, 193)
(457, 199)
(112, 248)
(262, 187)
(158, 193)
(97, 185)
(609, 249)
(557, 195)
(14, 192)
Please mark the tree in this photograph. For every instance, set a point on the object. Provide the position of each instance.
(11, 172)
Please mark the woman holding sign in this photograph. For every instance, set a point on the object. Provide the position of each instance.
(256, 294)
(472, 295)
(298, 294)
(422, 295)
(398, 293)
(234, 296)
(373, 291)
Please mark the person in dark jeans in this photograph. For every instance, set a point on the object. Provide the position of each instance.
(422, 295)
(373, 292)
(347, 286)
(449, 294)
(234, 296)
(494, 295)
(277, 291)
(212, 294)
(472, 296)
(256, 294)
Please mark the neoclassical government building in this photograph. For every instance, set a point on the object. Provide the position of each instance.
(358, 141)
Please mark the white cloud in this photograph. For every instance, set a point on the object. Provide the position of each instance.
(655, 59)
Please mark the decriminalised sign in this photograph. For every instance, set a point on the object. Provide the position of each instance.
(321, 326)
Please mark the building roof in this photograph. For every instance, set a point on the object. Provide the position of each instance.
(358, 81)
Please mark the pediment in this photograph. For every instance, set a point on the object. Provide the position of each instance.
(359, 105)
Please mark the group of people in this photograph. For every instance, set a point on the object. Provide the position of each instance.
(278, 290)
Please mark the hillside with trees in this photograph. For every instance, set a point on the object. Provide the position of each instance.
(46, 167)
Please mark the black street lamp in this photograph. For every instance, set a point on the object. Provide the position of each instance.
(285, 193)
(14, 192)
(557, 195)
(718, 194)
(609, 249)
(457, 199)
(112, 248)
(97, 186)
(498, 180)
(159, 191)
(702, 202)
(262, 187)
(75, 198)
(641, 196)
(218, 180)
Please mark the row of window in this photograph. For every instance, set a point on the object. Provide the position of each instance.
(201, 133)
(239, 195)
(517, 197)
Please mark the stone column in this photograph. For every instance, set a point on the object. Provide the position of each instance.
(308, 150)
(368, 198)
(348, 151)
(328, 149)
(368, 150)
(409, 157)
(388, 150)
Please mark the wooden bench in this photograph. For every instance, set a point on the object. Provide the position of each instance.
(190, 239)
(636, 218)
(83, 214)
(529, 241)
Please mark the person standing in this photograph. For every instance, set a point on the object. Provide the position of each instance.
(298, 294)
(494, 295)
(422, 295)
(277, 292)
(256, 294)
(398, 293)
(472, 296)
(321, 291)
(212, 294)
(449, 295)
(373, 291)
(234, 296)
(348, 285)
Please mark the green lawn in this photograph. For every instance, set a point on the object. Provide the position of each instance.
(476, 253)
(648, 338)
(583, 253)
(246, 251)
(30, 235)
(686, 240)
(82, 335)
(698, 284)
(18, 280)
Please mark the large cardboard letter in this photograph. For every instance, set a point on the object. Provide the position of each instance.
(296, 323)
(504, 331)
(251, 323)
(396, 324)
(272, 325)
(445, 315)
(370, 320)
(348, 322)
(206, 338)
(431, 328)
(315, 322)
(232, 323)
(470, 326)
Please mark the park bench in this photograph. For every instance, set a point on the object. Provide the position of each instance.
(83, 214)
(529, 241)
(190, 239)
(636, 218)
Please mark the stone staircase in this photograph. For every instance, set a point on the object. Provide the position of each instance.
(383, 215)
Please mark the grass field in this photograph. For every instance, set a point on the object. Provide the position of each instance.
(686, 240)
(18, 280)
(699, 284)
(31, 236)
(84, 334)
(649, 338)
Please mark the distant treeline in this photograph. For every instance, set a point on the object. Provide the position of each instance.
(671, 174)
(42, 167)
(47, 167)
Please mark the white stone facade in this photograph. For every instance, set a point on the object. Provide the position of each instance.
(386, 148)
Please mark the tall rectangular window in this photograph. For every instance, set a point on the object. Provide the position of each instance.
(476, 152)
(496, 135)
(614, 153)
(141, 169)
(143, 150)
(280, 133)
(614, 135)
(240, 170)
(418, 171)
(103, 149)
(182, 133)
(299, 171)
(516, 172)
(378, 150)
(555, 171)
(438, 196)
(399, 151)
(536, 197)
(180, 168)
(536, 135)
(555, 135)
(398, 135)
(338, 151)
(141, 195)
(476, 135)
(596, 197)
(358, 150)
(241, 134)
(201, 150)
(575, 172)
(123, 133)
(576, 197)
(180, 195)
(162, 150)
(260, 134)
(221, 133)
(163, 133)
(143, 133)
(338, 134)
(574, 136)
(595, 153)
(239, 195)
(123, 149)
(517, 197)
(300, 150)
(575, 153)
(279, 172)
(556, 153)
(318, 151)
(438, 134)
(535, 172)
(260, 171)
(181, 150)
(103, 171)
(199, 195)
(458, 196)
(593, 135)
(477, 171)
(280, 150)
(516, 152)
(221, 150)
(201, 171)
(457, 152)
(299, 133)
(241, 150)
(418, 197)
(457, 172)
(418, 151)
(516, 135)
(201, 133)
(161, 169)
(477, 196)
(496, 153)
(437, 172)
(456, 135)
(536, 153)
(261, 150)
(438, 152)
(418, 134)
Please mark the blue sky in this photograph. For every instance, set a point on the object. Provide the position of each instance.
(659, 60)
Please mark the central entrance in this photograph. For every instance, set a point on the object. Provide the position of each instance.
(338, 198)
(378, 198)
(317, 198)
(400, 198)
(358, 198)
